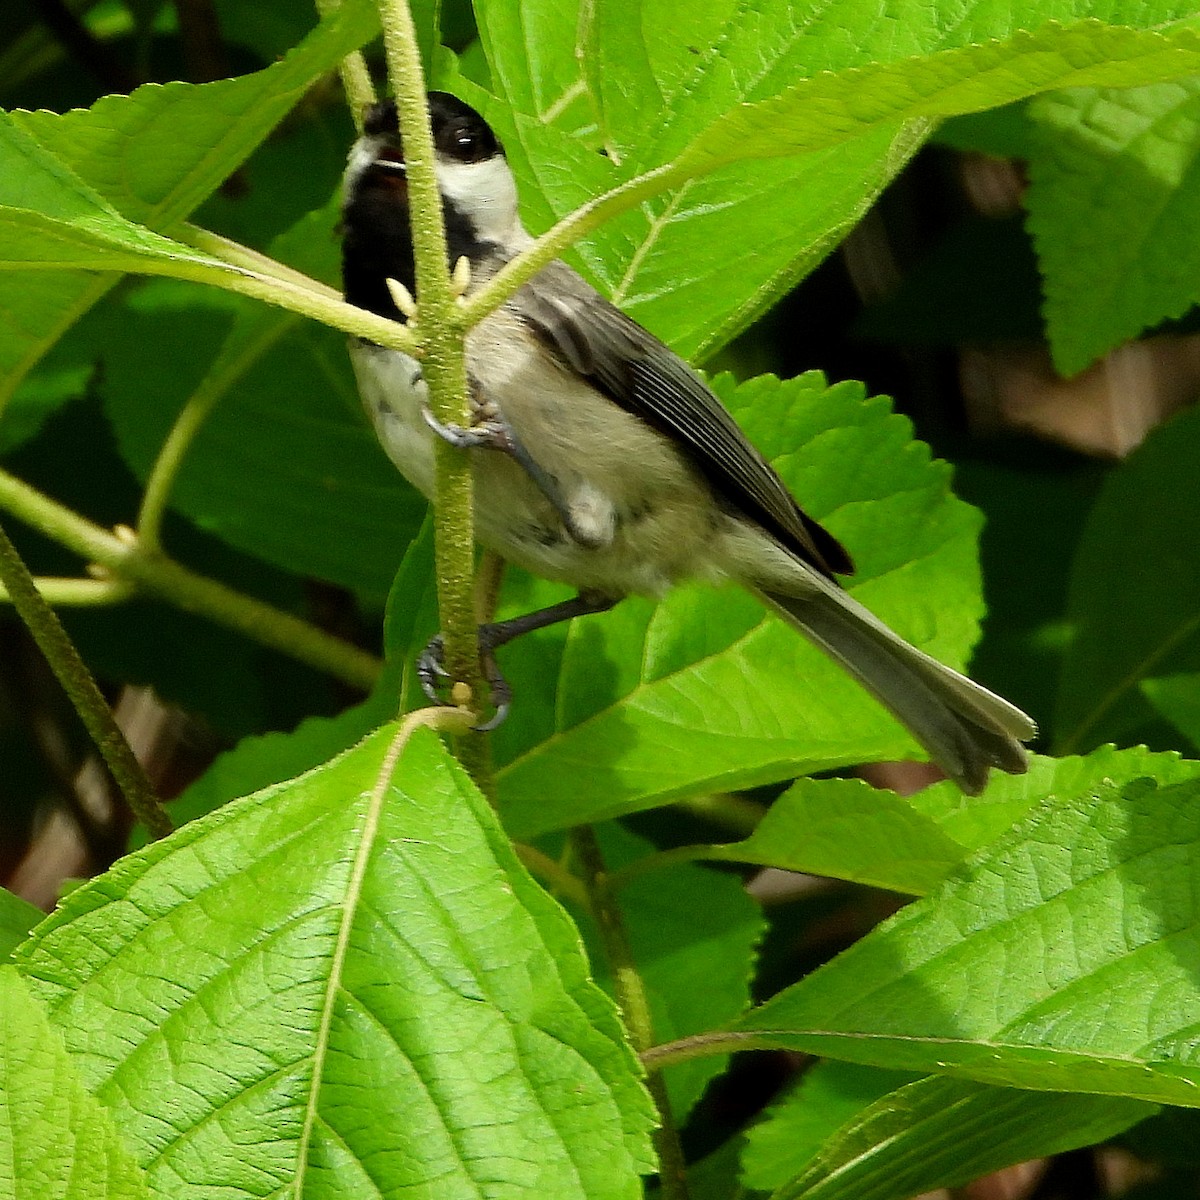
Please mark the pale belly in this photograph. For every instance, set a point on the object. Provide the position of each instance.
(656, 524)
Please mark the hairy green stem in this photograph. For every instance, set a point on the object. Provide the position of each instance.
(703, 1045)
(156, 575)
(285, 289)
(632, 999)
(441, 334)
(81, 688)
(77, 593)
(565, 234)
(553, 874)
(217, 245)
(356, 79)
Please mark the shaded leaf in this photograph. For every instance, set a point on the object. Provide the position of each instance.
(286, 466)
(937, 1132)
(1113, 180)
(1177, 697)
(1135, 591)
(264, 759)
(17, 918)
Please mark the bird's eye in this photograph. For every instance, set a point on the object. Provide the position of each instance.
(463, 138)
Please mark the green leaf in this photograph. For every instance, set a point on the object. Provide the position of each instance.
(845, 829)
(763, 51)
(1063, 959)
(1135, 591)
(645, 56)
(154, 156)
(698, 263)
(17, 918)
(937, 1132)
(836, 107)
(694, 933)
(532, 51)
(719, 250)
(790, 1134)
(705, 692)
(1114, 179)
(345, 983)
(974, 821)
(56, 1141)
(1177, 697)
(50, 218)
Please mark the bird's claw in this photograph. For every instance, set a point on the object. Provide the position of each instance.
(432, 674)
(491, 434)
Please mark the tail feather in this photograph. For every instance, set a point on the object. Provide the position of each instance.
(965, 728)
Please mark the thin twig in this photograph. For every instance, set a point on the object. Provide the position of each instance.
(356, 79)
(81, 688)
(126, 563)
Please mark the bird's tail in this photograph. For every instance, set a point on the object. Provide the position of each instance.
(965, 728)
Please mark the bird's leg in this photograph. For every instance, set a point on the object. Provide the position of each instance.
(431, 670)
(490, 431)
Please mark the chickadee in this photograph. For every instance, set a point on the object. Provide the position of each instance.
(601, 459)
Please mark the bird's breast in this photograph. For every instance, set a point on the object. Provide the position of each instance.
(642, 517)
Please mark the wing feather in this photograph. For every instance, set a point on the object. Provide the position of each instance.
(596, 340)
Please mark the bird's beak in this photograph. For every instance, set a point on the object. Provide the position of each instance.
(391, 164)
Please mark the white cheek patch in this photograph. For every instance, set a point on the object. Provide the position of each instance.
(484, 192)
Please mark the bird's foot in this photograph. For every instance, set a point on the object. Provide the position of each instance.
(490, 433)
(432, 673)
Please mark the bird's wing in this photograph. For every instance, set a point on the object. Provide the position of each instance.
(596, 340)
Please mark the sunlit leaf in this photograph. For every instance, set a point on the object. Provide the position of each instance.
(1063, 959)
(56, 1141)
(397, 1005)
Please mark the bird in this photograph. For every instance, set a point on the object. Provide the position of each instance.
(600, 458)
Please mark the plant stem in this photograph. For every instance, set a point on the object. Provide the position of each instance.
(565, 234)
(283, 288)
(156, 574)
(663, 859)
(632, 999)
(736, 813)
(79, 685)
(703, 1045)
(216, 245)
(554, 875)
(356, 79)
(77, 593)
(441, 332)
